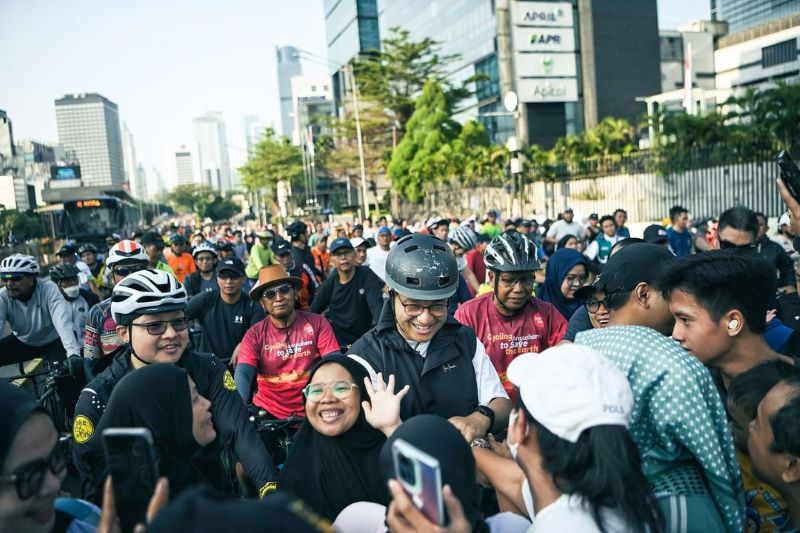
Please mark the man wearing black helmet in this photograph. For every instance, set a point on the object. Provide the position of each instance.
(508, 320)
(79, 300)
(417, 342)
(298, 235)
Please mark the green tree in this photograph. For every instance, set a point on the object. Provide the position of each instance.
(275, 159)
(221, 209)
(21, 224)
(420, 158)
(190, 198)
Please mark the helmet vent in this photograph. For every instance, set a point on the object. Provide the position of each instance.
(444, 280)
(412, 248)
(413, 281)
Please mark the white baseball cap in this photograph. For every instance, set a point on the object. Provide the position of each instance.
(357, 241)
(784, 220)
(570, 388)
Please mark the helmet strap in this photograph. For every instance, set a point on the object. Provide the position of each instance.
(133, 352)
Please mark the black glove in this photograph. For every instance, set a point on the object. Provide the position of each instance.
(74, 364)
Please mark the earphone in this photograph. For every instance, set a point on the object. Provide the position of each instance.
(733, 324)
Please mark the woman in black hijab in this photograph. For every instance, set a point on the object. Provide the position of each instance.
(333, 461)
(162, 398)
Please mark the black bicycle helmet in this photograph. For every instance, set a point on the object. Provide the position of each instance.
(511, 252)
(296, 228)
(64, 271)
(88, 247)
(422, 267)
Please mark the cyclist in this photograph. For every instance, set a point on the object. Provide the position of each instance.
(508, 320)
(179, 260)
(439, 227)
(203, 279)
(261, 254)
(79, 300)
(225, 250)
(443, 361)
(148, 307)
(281, 348)
(36, 312)
(88, 254)
(283, 255)
(298, 235)
(154, 246)
(101, 339)
(66, 254)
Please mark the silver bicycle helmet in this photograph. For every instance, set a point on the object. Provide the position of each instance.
(146, 292)
(204, 247)
(19, 264)
(465, 238)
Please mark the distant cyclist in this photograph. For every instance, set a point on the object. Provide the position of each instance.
(36, 312)
(154, 246)
(79, 300)
(88, 254)
(203, 279)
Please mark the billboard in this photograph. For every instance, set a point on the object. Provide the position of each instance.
(532, 90)
(528, 39)
(544, 65)
(69, 172)
(541, 14)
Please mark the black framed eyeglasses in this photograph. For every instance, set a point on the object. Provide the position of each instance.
(593, 306)
(527, 281)
(412, 309)
(128, 269)
(158, 328)
(227, 274)
(270, 294)
(29, 478)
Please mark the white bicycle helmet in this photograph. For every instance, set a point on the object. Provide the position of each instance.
(465, 238)
(435, 221)
(146, 292)
(19, 264)
(126, 251)
(204, 247)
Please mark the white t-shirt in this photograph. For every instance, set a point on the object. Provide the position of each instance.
(376, 259)
(568, 513)
(562, 228)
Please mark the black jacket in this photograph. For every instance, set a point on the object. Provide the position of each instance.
(442, 383)
(777, 257)
(213, 381)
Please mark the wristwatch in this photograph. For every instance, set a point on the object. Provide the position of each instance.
(487, 412)
(479, 443)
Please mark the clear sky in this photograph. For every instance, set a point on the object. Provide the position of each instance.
(164, 62)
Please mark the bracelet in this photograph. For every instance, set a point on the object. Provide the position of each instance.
(479, 443)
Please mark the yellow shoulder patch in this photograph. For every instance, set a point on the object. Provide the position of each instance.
(82, 429)
(268, 488)
(227, 381)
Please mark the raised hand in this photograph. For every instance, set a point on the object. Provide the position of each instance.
(382, 411)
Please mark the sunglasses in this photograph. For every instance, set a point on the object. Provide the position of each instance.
(229, 275)
(727, 245)
(157, 328)
(12, 277)
(270, 294)
(29, 478)
(125, 270)
(340, 389)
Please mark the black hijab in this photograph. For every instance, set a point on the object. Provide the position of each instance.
(18, 406)
(157, 397)
(330, 473)
(438, 438)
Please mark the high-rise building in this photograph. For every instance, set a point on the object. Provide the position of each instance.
(288, 67)
(129, 159)
(88, 125)
(745, 14)
(7, 150)
(140, 183)
(212, 145)
(253, 133)
(313, 101)
(185, 172)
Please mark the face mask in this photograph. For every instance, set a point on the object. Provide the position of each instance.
(72, 292)
(512, 419)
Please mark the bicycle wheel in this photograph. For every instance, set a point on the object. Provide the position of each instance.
(57, 412)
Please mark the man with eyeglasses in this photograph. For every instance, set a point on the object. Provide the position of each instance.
(422, 346)
(678, 421)
(226, 313)
(149, 309)
(36, 313)
(351, 298)
(509, 321)
(738, 228)
(280, 349)
(203, 279)
(100, 337)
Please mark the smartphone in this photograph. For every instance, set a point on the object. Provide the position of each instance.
(790, 174)
(421, 477)
(133, 465)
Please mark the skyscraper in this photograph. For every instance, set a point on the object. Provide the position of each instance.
(253, 132)
(745, 14)
(129, 159)
(140, 183)
(88, 125)
(209, 135)
(7, 151)
(288, 67)
(185, 166)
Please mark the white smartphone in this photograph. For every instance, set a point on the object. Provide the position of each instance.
(133, 465)
(421, 477)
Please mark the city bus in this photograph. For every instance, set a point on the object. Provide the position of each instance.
(94, 218)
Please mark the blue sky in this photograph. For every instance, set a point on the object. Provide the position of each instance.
(166, 61)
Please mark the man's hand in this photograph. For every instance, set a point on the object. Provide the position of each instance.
(382, 411)
(472, 426)
(792, 204)
(404, 517)
(235, 356)
(500, 448)
(109, 522)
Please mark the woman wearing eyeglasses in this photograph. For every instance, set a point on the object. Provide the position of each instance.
(32, 466)
(335, 454)
(149, 309)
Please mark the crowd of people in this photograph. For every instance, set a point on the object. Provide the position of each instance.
(564, 375)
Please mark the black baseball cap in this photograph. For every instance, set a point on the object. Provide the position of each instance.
(358, 227)
(634, 264)
(151, 237)
(282, 247)
(655, 234)
(234, 264)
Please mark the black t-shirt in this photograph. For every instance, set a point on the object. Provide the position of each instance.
(224, 325)
(353, 308)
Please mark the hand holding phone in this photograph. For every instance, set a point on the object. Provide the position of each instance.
(420, 475)
(789, 174)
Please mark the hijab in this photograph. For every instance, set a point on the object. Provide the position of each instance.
(558, 266)
(18, 406)
(157, 397)
(330, 473)
(437, 437)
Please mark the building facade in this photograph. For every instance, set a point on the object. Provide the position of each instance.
(288, 67)
(212, 146)
(186, 172)
(7, 150)
(130, 162)
(88, 125)
(742, 15)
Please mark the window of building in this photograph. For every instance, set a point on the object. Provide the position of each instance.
(776, 54)
(490, 84)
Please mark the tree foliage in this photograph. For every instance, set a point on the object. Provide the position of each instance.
(22, 225)
(190, 198)
(221, 209)
(275, 159)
